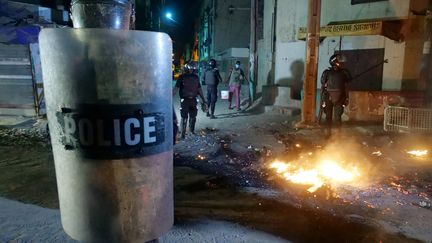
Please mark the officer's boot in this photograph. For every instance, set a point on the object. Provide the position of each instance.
(183, 127)
(208, 110)
(213, 106)
(328, 128)
(338, 128)
(192, 122)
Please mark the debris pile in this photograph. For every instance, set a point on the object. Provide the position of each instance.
(37, 134)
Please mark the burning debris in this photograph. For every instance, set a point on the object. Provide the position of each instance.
(332, 166)
(316, 175)
(418, 153)
(377, 153)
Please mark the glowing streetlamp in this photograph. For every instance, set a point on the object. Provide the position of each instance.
(169, 16)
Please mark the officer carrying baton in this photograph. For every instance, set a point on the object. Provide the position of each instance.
(322, 105)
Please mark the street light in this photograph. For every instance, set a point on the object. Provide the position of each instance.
(169, 16)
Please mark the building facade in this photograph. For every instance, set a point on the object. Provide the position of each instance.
(149, 14)
(224, 32)
(365, 32)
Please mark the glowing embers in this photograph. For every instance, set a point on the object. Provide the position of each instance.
(377, 153)
(317, 174)
(418, 153)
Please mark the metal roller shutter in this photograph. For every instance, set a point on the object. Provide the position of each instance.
(16, 80)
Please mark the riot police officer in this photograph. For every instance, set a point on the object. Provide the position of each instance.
(334, 82)
(189, 86)
(212, 78)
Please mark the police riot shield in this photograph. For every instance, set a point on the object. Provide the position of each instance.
(109, 107)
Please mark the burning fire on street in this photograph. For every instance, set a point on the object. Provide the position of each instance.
(338, 166)
(325, 172)
(201, 157)
(418, 153)
(330, 167)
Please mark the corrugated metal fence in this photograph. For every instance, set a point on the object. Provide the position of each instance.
(16, 81)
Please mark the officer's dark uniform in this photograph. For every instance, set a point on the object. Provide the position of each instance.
(188, 85)
(175, 127)
(211, 79)
(335, 96)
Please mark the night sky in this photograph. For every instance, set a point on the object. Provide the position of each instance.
(185, 13)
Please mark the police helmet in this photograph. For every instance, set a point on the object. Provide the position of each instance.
(187, 67)
(212, 63)
(336, 60)
(190, 66)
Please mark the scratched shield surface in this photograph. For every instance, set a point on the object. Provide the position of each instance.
(109, 106)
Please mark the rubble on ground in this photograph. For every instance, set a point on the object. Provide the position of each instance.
(384, 200)
(28, 136)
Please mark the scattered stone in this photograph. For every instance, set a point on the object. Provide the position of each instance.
(424, 204)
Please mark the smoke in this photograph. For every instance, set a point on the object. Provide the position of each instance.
(350, 160)
(380, 157)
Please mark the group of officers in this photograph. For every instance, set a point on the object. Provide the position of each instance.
(189, 87)
(334, 95)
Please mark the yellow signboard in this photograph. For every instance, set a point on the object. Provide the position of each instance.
(371, 28)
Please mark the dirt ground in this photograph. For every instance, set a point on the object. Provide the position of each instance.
(395, 196)
(200, 196)
(222, 174)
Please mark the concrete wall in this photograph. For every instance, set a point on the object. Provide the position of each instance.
(263, 68)
(369, 106)
(234, 52)
(231, 30)
(392, 9)
(291, 14)
(265, 47)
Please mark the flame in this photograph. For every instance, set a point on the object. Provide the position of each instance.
(418, 153)
(280, 166)
(305, 177)
(377, 153)
(325, 172)
(335, 172)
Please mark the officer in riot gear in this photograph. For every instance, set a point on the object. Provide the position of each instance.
(212, 79)
(189, 88)
(334, 82)
(175, 127)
